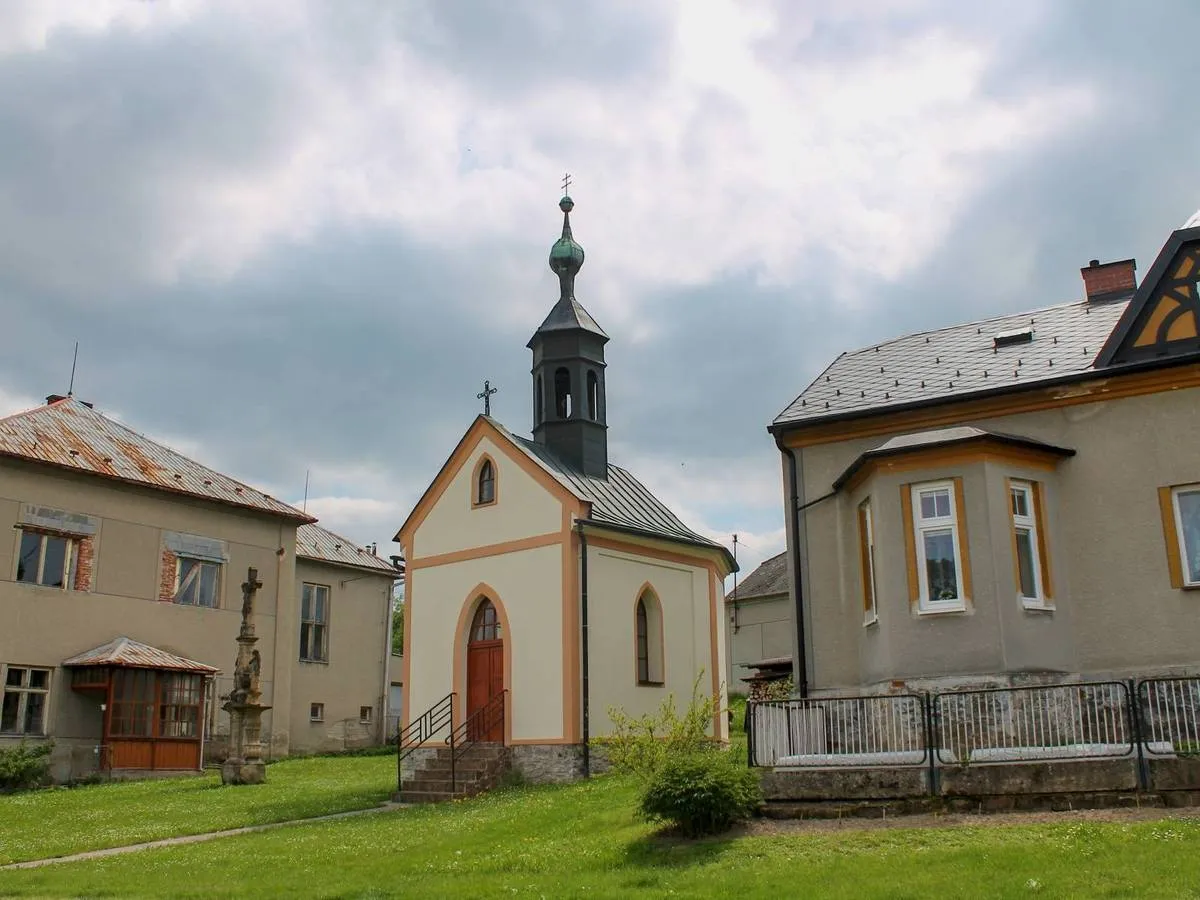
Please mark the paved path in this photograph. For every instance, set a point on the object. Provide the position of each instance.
(195, 838)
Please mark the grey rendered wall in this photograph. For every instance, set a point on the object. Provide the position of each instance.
(764, 632)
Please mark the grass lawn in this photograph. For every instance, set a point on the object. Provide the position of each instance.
(67, 820)
(584, 841)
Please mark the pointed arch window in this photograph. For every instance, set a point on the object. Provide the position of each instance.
(648, 633)
(539, 407)
(593, 395)
(486, 624)
(485, 483)
(562, 393)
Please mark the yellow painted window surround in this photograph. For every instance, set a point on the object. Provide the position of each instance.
(866, 554)
(1031, 560)
(1180, 507)
(935, 543)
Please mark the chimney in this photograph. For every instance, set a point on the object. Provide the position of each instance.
(1109, 281)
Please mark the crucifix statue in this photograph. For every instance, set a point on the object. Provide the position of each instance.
(244, 764)
(486, 397)
(249, 588)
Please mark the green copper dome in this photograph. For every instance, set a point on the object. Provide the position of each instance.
(566, 256)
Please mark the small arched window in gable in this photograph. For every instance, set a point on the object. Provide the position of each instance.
(593, 396)
(486, 624)
(562, 393)
(485, 483)
(649, 639)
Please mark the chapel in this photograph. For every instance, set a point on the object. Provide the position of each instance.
(547, 586)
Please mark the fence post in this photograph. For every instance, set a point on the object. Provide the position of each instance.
(749, 726)
(927, 705)
(1134, 712)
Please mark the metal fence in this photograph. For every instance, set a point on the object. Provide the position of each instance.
(889, 730)
(1154, 717)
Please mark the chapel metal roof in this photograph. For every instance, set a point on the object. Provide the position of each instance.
(321, 544)
(568, 314)
(768, 580)
(71, 435)
(620, 501)
(126, 652)
(958, 362)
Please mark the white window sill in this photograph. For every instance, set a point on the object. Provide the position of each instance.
(947, 610)
(1036, 606)
(870, 620)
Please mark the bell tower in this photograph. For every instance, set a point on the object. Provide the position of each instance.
(569, 407)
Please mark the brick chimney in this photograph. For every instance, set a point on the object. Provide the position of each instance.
(1109, 281)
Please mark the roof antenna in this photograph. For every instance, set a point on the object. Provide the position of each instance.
(304, 508)
(75, 359)
(734, 622)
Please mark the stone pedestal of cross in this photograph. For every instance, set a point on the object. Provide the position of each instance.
(245, 764)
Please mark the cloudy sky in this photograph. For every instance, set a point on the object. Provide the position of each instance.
(298, 236)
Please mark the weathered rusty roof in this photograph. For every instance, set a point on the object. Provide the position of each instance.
(72, 435)
(322, 545)
(127, 652)
(768, 580)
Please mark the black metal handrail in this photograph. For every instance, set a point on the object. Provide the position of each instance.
(421, 730)
(469, 731)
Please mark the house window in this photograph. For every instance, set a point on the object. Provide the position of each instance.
(486, 624)
(316, 712)
(46, 559)
(24, 706)
(866, 550)
(134, 701)
(314, 623)
(1186, 507)
(196, 582)
(485, 491)
(179, 710)
(648, 639)
(938, 543)
(1029, 556)
(364, 715)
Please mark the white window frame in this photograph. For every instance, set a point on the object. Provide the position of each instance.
(1185, 568)
(870, 616)
(1027, 522)
(179, 561)
(920, 526)
(365, 715)
(70, 557)
(23, 691)
(316, 712)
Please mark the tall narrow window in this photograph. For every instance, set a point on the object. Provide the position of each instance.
(24, 705)
(486, 488)
(1027, 544)
(196, 582)
(593, 396)
(562, 393)
(46, 559)
(866, 549)
(1186, 504)
(314, 622)
(643, 643)
(539, 400)
(938, 547)
(179, 711)
(648, 638)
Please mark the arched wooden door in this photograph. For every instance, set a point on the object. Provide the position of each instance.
(485, 670)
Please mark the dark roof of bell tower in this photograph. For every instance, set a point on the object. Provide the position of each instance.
(568, 314)
(566, 259)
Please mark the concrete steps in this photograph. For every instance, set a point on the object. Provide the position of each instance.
(480, 768)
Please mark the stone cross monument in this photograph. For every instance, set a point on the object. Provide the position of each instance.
(245, 765)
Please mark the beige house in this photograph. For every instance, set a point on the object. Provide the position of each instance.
(1017, 497)
(758, 624)
(120, 592)
(546, 585)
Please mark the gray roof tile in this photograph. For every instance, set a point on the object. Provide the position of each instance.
(769, 579)
(959, 361)
(320, 544)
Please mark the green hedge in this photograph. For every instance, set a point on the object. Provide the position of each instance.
(701, 793)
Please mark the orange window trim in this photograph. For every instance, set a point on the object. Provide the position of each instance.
(864, 557)
(910, 545)
(964, 549)
(1166, 503)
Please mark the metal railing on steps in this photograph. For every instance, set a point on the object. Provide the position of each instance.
(477, 728)
(421, 730)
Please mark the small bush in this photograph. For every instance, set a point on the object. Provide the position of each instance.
(640, 745)
(24, 767)
(701, 793)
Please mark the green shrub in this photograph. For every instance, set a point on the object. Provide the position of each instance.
(701, 793)
(640, 745)
(24, 766)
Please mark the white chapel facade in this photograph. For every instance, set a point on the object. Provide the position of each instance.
(546, 585)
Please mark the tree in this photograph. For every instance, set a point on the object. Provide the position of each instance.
(398, 626)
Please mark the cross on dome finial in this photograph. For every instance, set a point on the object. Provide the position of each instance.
(566, 182)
